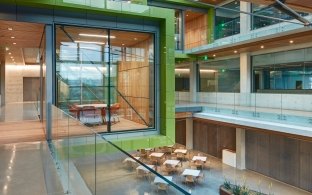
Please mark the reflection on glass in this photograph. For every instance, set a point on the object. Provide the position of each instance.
(106, 78)
(178, 29)
(259, 22)
(227, 22)
(220, 76)
(182, 78)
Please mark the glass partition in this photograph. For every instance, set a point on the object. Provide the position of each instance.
(182, 78)
(90, 163)
(227, 22)
(105, 78)
(220, 76)
(283, 72)
(259, 22)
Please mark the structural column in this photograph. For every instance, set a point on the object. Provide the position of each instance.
(245, 19)
(2, 83)
(240, 149)
(189, 133)
(193, 82)
(245, 73)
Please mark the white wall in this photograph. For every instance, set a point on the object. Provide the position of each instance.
(14, 75)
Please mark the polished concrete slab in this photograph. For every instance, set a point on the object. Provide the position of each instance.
(26, 169)
(109, 175)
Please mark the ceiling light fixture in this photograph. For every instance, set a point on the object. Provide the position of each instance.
(95, 35)
(7, 49)
(90, 42)
(12, 37)
(10, 28)
(262, 46)
(235, 51)
(214, 55)
(10, 53)
(14, 43)
(291, 41)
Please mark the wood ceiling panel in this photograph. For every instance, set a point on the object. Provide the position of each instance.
(25, 35)
(282, 41)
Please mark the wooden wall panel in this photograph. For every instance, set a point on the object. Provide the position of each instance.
(305, 172)
(196, 32)
(275, 145)
(263, 149)
(180, 135)
(280, 157)
(212, 138)
(227, 139)
(133, 82)
(251, 154)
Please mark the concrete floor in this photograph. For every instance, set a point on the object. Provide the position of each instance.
(110, 176)
(26, 169)
(20, 111)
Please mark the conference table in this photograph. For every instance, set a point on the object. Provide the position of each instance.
(98, 106)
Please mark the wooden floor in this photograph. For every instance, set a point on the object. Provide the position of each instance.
(24, 131)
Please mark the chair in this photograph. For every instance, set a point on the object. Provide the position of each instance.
(103, 114)
(141, 173)
(162, 187)
(114, 112)
(180, 156)
(189, 179)
(90, 115)
(199, 163)
(74, 111)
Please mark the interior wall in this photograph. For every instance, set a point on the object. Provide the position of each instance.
(213, 138)
(180, 129)
(134, 84)
(14, 75)
(196, 32)
(277, 156)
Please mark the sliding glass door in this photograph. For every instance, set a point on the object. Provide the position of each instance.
(105, 78)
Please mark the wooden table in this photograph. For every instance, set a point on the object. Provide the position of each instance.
(172, 162)
(130, 159)
(157, 154)
(141, 167)
(201, 158)
(98, 106)
(160, 180)
(183, 151)
(192, 172)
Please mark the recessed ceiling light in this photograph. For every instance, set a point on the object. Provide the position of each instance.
(186, 15)
(7, 49)
(90, 42)
(10, 53)
(291, 41)
(214, 55)
(95, 35)
(235, 51)
(14, 43)
(262, 46)
(11, 57)
(12, 37)
(123, 44)
(10, 28)
(135, 38)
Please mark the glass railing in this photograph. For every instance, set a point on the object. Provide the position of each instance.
(227, 29)
(282, 108)
(91, 163)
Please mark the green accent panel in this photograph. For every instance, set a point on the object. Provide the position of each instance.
(142, 2)
(185, 3)
(210, 25)
(181, 55)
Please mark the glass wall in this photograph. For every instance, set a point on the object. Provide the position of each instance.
(219, 76)
(288, 71)
(227, 22)
(106, 78)
(178, 30)
(182, 78)
(259, 22)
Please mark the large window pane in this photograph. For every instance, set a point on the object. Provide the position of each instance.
(182, 78)
(219, 76)
(286, 71)
(109, 72)
(227, 22)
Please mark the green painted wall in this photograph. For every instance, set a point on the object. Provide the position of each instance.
(211, 25)
(166, 19)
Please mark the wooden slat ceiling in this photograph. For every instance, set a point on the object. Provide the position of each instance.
(282, 41)
(26, 36)
(298, 5)
(189, 15)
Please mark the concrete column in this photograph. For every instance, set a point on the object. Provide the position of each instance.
(245, 73)
(193, 82)
(189, 133)
(245, 19)
(240, 149)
